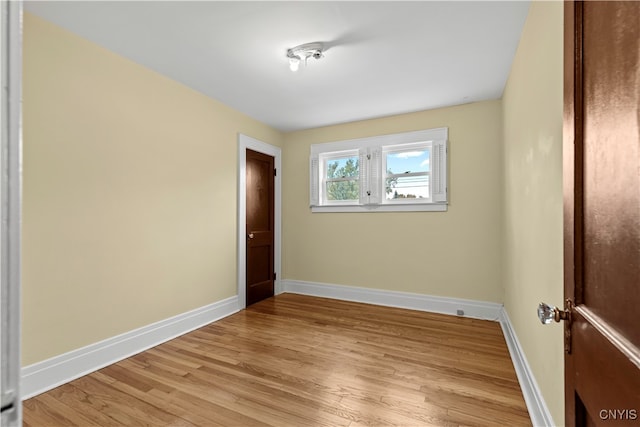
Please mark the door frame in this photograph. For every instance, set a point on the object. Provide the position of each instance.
(11, 208)
(245, 142)
(572, 183)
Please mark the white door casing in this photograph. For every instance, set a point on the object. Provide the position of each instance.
(11, 200)
(245, 142)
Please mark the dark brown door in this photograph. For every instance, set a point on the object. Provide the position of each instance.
(602, 212)
(260, 226)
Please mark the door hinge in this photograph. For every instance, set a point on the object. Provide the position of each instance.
(567, 316)
(274, 276)
(275, 172)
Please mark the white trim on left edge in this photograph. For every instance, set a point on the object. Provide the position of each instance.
(11, 201)
(434, 304)
(51, 373)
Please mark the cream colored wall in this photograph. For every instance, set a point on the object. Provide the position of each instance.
(130, 186)
(455, 253)
(532, 114)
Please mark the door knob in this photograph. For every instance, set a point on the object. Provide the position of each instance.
(546, 313)
(250, 236)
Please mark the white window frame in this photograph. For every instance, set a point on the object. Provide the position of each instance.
(424, 146)
(326, 158)
(372, 172)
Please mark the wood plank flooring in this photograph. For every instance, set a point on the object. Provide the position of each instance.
(296, 360)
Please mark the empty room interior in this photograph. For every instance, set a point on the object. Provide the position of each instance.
(381, 307)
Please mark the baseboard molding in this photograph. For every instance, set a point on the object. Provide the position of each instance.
(51, 373)
(538, 410)
(434, 304)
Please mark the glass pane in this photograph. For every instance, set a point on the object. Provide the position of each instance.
(343, 190)
(340, 168)
(408, 161)
(407, 187)
(343, 167)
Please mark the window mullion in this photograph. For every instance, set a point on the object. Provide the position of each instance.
(364, 176)
(376, 176)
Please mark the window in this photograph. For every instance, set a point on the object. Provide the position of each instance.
(342, 178)
(399, 172)
(407, 173)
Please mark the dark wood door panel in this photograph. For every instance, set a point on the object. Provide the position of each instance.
(261, 270)
(259, 192)
(259, 226)
(611, 74)
(602, 212)
(601, 377)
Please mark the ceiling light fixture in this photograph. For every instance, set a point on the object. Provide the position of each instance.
(303, 52)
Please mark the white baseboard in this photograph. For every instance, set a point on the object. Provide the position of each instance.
(476, 309)
(51, 373)
(538, 410)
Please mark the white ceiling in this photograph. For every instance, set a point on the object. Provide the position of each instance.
(383, 57)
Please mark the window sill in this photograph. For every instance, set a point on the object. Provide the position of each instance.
(426, 207)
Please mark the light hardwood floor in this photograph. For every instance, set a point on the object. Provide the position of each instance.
(296, 360)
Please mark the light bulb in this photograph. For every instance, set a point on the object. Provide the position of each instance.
(294, 63)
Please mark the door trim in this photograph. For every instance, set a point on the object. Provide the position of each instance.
(11, 207)
(245, 142)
